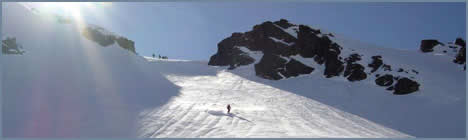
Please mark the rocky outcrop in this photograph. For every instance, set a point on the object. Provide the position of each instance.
(295, 68)
(280, 42)
(376, 63)
(274, 67)
(270, 66)
(322, 49)
(385, 80)
(10, 46)
(353, 71)
(405, 86)
(96, 34)
(126, 44)
(283, 23)
(460, 42)
(461, 55)
(428, 45)
(270, 39)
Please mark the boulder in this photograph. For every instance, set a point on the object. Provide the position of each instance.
(385, 80)
(355, 72)
(376, 63)
(353, 58)
(428, 45)
(405, 86)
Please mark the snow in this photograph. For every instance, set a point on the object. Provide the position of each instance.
(281, 41)
(69, 87)
(257, 55)
(291, 30)
(258, 110)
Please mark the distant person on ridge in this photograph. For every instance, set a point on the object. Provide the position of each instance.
(229, 108)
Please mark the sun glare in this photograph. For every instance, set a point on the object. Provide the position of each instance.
(72, 9)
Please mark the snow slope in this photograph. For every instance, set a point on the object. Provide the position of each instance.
(258, 110)
(68, 86)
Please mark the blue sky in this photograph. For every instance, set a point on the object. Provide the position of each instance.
(191, 30)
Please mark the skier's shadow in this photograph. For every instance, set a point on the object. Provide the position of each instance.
(221, 113)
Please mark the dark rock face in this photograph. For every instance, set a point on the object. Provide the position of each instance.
(355, 71)
(376, 63)
(460, 41)
(235, 57)
(279, 47)
(333, 67)
(461, 56)
(428, 45)
(405, 86)
(295, 68)
(283, 23)
(321, 49)
(308, 44)
(259, 39)
(269, 67)
(230, 55)
(353, 58)
(387, 67)
(385, 80)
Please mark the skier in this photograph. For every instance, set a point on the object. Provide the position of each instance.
(229, 108)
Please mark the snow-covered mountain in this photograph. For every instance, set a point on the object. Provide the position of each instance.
(80, 80)
(281, 50)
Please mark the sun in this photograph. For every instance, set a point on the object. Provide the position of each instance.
(72, 9)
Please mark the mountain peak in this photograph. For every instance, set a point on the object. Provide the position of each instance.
(275, 50)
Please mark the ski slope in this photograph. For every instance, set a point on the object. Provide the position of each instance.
(258, 110)
(66, 86)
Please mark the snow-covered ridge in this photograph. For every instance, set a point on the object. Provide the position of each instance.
(327, 52)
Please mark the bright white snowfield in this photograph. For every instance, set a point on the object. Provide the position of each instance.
(65, 85)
